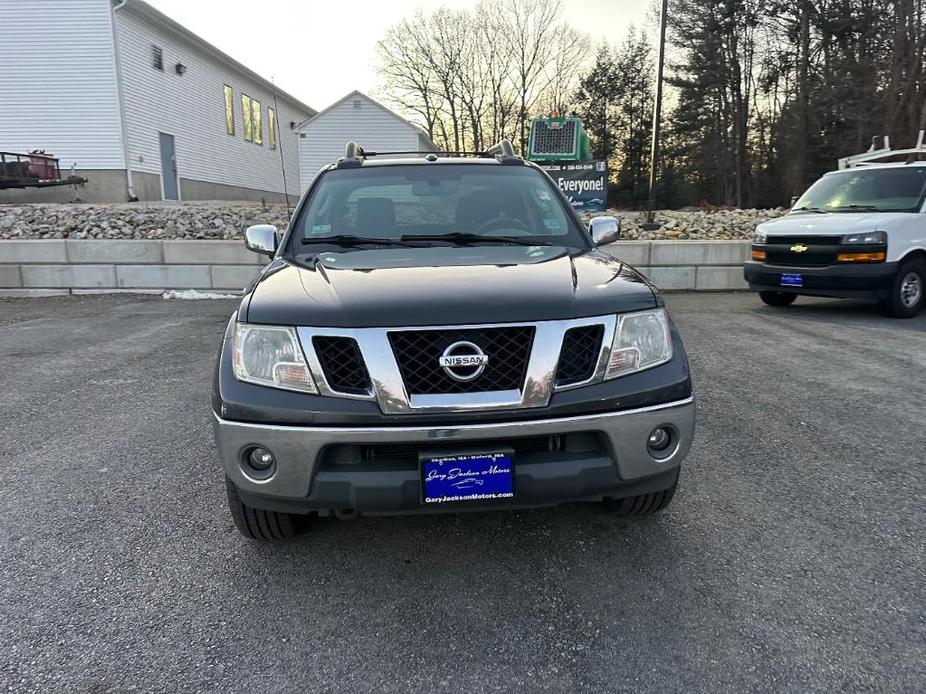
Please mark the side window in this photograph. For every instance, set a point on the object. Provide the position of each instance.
(246, 117)
(272, 127)
(157, 58)
(229, 110)
(255, 122)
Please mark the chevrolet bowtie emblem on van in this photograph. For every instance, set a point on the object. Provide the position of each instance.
(798, 248)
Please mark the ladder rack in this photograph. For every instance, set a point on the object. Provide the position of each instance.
(876, 153)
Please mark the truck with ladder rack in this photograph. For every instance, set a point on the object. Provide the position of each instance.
(858, 232)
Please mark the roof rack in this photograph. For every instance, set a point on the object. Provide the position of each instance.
(875, 153)
(355, 155)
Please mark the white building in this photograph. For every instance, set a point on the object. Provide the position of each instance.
(143, 107)
(358, 118)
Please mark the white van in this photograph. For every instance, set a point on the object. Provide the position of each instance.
(856, 233)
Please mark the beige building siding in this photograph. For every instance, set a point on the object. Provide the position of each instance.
(191, 107)
(58, 82)
(358, 118)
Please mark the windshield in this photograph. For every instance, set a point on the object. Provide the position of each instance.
(433, 204)
(899, 189)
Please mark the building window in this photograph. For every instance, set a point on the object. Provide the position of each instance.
(255, 122)
(157, 58)
(272, 127)
(246, 117)
(229, 110)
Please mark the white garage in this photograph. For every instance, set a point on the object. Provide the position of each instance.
(359, 118)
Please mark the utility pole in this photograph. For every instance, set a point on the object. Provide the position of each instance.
(657, 114)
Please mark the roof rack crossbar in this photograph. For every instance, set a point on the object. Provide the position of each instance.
(354, 154)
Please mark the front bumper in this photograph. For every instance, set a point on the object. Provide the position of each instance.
(844, 281)
(306, 479)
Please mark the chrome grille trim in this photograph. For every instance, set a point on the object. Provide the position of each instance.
(389, 391)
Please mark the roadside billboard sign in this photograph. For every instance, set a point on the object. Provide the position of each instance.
(585, 183)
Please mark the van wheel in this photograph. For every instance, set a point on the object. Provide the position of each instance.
(257, 524)
(908, 290)
(777, 298)
(641, 505)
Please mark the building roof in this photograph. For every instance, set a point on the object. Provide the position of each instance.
(146, 11)
(359, 93)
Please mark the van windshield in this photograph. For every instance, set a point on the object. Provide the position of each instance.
(895, 189)
(436, 204)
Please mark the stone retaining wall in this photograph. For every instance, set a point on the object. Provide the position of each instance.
(63, 266)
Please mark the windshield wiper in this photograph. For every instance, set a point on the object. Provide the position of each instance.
(350, 240)
(473, 239)
(855, 207)
(810, 209)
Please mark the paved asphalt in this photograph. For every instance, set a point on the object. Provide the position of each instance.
(791, 559)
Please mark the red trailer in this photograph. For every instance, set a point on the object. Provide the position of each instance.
(33, 170)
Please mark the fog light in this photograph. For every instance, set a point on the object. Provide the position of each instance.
(260, 459)
(660, 439)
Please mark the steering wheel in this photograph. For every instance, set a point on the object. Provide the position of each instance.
(505, 223)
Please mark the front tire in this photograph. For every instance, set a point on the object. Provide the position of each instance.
(777, 298)
(257, 524)
(908, 291)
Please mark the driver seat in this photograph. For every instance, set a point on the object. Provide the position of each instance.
(477, 208)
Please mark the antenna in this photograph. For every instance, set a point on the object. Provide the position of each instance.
(276, 117)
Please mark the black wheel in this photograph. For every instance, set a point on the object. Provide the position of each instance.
(908, 290)
(777, 298)
(641, 505)
(262, 525)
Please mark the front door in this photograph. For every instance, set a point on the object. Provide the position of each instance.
(168, 167)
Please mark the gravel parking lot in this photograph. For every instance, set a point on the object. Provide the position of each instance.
(791, 559)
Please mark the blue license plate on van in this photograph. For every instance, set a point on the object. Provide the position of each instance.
(792, 280)
(467, 477)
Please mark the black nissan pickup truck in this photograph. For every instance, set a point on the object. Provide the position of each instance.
(441, 333)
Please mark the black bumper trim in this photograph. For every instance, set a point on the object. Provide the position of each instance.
(543, 486)
(844, 281)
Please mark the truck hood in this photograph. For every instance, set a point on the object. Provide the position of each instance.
(445, 285)
(827, 224)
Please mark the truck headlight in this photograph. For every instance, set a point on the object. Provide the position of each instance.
(642, 340)
(759, 237)
(871, 237)
(271, 355)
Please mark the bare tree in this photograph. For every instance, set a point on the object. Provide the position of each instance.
(530, 26)
(476, 77)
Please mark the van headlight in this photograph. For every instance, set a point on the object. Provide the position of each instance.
(759, 237)
(270, 355)
(871, 237)
(641, 341)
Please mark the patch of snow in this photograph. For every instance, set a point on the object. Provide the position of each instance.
(194, 294)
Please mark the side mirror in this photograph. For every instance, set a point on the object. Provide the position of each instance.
(604, 230)
(261, 238)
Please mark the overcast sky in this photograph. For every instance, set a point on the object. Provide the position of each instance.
(318, 51)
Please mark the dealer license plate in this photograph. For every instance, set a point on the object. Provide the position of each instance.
(792, 280)
(467, 477)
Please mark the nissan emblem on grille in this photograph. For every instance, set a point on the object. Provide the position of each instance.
(463, 361)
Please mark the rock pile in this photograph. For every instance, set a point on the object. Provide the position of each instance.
(228, 220)
(721, 225)
(208, 220)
